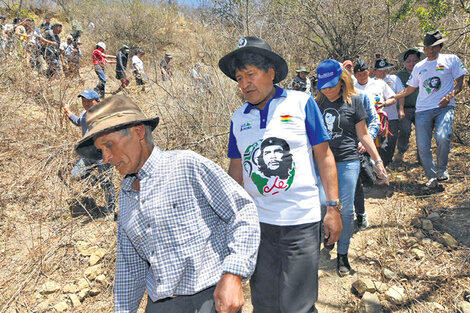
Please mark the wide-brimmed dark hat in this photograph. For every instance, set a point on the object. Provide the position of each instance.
(111, 114)
(360, 66)
(382, 64)
(433, 38)
(415, 50)
(257, 46)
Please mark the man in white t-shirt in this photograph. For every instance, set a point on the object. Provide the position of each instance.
(274, 137)
(138, 67)
(380, 93)
(435, 76)
(387, 147)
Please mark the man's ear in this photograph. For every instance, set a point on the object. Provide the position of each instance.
(139, 131)
(271, 73)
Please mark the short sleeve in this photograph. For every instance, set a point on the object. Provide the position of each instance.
(314, 123)
(233, 152)
(458, 69)
(360, 113)
(413, 80)
(388, 92)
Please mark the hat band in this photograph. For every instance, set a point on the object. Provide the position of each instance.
(111, 116)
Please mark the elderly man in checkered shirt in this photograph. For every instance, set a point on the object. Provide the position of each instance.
(187, 232)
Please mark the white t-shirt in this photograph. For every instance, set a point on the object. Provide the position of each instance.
(435, 80)
(275, 148)
(137, 63)
(395, 83)
(378, 91)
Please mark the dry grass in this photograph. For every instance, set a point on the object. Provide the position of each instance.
(43, 214)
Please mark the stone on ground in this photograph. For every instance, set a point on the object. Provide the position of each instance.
(363, 285)
(370, 303)
(396, 294)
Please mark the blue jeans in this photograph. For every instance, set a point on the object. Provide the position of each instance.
(440, 120)
(348, 173)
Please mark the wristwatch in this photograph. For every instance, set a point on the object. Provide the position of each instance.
(334, 203)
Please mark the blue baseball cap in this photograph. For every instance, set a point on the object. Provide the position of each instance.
(89, 94)
(328, 73)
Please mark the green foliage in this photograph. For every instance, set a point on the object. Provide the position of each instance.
(403, 12)
(430, 15)
(25, 13)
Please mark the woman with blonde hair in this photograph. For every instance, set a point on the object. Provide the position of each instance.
(337, 97)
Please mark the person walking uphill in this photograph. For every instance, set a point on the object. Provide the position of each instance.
(99, 61)
(122, 57)
(406, 113)
(273, 138)
(83, 167)
(435, 76)
(345, 118)
(187, 232)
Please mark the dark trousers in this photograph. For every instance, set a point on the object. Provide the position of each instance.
(286, 274)
(387, 148)
(404, 130)
(201, 302)
(359, 206)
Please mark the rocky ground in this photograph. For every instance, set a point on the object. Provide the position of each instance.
(57, 249)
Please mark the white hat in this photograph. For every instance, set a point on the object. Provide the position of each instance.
(101, 44)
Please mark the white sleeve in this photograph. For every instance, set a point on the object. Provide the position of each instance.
(413, 81)
(388, 92)
(397, 83)
(458, 69)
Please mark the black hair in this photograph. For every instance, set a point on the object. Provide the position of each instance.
(286, 164)
(242, 60)
(410, 52)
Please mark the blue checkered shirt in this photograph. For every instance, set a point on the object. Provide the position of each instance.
(189, 224)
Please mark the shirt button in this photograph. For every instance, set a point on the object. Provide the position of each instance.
(264, 120)
(142, 201)
(159, 280)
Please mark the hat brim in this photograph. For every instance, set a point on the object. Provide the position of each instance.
(401, 56)
(421, 44)
(86, 147)
(280, 65)
(328, 83)
(383, 68)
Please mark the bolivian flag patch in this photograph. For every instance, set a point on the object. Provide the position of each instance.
(440, 68)
(286, 118)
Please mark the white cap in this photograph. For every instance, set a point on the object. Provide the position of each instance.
(101, 44)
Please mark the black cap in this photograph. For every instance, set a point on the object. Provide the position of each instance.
(360, 66)
(382, 64)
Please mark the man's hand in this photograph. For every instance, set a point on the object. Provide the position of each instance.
(228, 295)
(333, 225)
(401, 114)
(67, 109)
(444, 101)
(379, 105)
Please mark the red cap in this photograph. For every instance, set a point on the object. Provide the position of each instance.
(348, 62)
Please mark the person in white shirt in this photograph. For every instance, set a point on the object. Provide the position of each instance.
(387, 148)
(439, 78)
(380, 93)
(138, 67)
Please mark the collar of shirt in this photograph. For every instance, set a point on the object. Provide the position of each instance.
(264, 113)
(145, 171)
